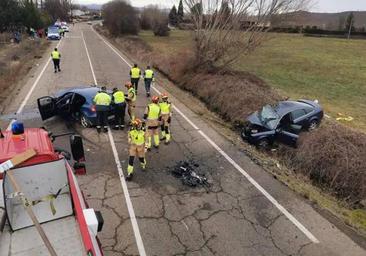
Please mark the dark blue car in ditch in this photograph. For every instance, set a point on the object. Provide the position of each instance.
(282, 122)
(73, 103)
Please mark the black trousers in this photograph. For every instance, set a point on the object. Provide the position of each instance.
(135, 83)
(119, 113)
(102, 118)
(56, 64)
(148, 85)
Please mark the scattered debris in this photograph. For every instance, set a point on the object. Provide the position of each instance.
(185, 171)
(343, 117)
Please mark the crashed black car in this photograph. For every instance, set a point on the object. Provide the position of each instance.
(282, 122)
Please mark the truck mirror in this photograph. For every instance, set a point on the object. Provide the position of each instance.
(77, 148)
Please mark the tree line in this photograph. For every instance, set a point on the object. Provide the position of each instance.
(17, 14)
(122, 18)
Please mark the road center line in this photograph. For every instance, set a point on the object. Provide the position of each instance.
(282, 209)
(135, 227)
(24, 102)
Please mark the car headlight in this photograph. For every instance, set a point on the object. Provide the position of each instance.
(254, 131)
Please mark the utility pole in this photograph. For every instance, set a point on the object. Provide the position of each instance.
(350, 20)
(350, 29)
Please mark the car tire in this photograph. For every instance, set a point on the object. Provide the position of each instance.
(84, 121)
(242, 134)
(314, 124)
(263, 144)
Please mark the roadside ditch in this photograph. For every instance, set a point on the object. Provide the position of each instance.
(327, 167)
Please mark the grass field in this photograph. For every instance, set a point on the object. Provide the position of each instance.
(330, 70)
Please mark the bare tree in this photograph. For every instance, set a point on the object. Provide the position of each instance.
(152, 17)
(225, 29)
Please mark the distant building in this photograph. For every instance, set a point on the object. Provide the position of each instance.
(78, 13)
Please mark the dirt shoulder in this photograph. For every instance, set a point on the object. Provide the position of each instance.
(323, 198)
(16, 62)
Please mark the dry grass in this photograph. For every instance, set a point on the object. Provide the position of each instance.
(333, 157)
(328, 69)
(15, 61)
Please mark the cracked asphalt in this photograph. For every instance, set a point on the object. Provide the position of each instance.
(229, 218)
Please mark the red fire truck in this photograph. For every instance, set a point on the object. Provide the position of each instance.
(48, 185)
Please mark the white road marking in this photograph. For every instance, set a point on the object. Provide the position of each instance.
(135, 227)
(90, 63)
(288, 215)
(24, 102)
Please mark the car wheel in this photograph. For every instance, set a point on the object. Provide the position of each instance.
(242, 133)
(84, 121)
(313, 125)
(263, 144)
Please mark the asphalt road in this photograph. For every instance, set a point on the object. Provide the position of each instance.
(244, 212)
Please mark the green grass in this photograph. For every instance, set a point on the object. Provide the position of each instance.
(330, 70)
(178, 40)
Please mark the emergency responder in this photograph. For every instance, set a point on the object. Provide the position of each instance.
(61, 31)
(135, 74)
(166, 115)
(148, 78)
(136, 141)
(131, 100)
(119, 108)
(151, 117)
(56, 58)
(102, 102)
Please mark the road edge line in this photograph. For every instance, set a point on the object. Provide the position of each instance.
(282, 209)
(135, 227)
(34, 85)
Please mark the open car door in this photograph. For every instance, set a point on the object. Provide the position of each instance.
(64, 104)
(287, 132)
(47, 107)
(289, 135)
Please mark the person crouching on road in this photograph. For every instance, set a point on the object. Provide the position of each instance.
(119, 108)
(166, 115)
(136, 141)
(56, 57)
(148, 79)
(102, 102)
(131, 100)
(152, 116)
(135, 74)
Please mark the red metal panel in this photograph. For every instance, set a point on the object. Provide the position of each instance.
(35, 138)
(79, 205)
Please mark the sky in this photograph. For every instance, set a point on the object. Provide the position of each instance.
(319, 5)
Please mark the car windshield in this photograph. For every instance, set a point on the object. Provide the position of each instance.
(53, 30)
(269, 117)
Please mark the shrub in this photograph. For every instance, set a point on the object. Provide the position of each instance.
(120, 18)
(161, 29)
(334, 157)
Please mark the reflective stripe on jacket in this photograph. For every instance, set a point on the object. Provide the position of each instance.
(135, 73)
(149, 74)
(103, 99)
(132, 94)
(119, 97)
(165, 107)
(136, 137)
(55, 55)
(153, 111)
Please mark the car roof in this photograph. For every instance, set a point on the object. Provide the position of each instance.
(285, 107)
(86, 91)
